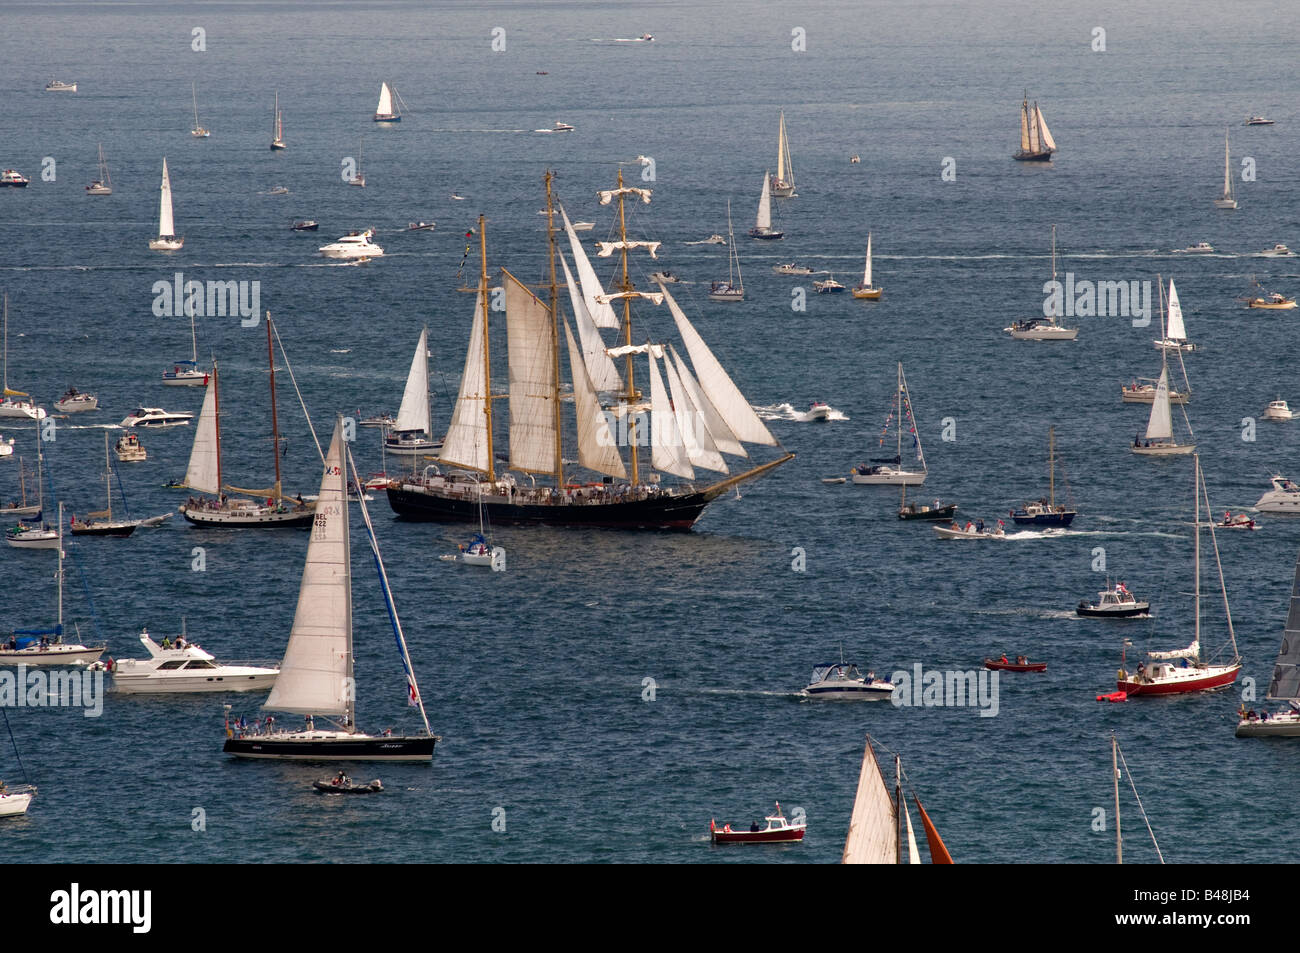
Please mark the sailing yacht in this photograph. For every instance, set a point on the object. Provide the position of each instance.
(198, 132)
(316, 676)
(1175, 338)
(866, 291)
(782, 184)
(359, 177)
(74, 401)
(103, 185)
(1285, 684)
(15, 403)
(733, 289)
(874, 836)
(1162, 677)
(101, 523)
(187, 373)
(1044, 328)
(166, 240)
(891, 469)
(1046, 511)
(20, 507)
(1036, 142)
(1226, 200)
(412, 433)
(277, 130)
(1159, 439)
(707, 417)
(268, 507)
(32, 531)
(387, 111)
(763, 221)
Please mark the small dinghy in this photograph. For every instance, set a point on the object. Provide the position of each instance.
(342, 784)
(832, 481)
(420, 226)
(1240, 521)
(1021, 664)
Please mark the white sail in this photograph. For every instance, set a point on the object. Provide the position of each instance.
(700, 449)
(601, 370)
(1175, 330)
(316, 673)
(596, 450)
(601, 312)
(414, 412)
(466, 442)
(764, 219)
(1161, 426)
(204, 470)
(719, 432)
(780, 151)
(1045, 137)
(913, 854)
(166, 227)
(718, 386)
(385, 107)
(532, 379)
(668, 453)
(873, 828)
(1286, 669)
(1024, 127)
(1227, 171)
(866, 274)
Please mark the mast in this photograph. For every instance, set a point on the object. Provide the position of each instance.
(626, 287)
(1051, 465)
(108, 477)
(898, 807)
(555, 336)
(6, 350)
(487, 352)
(899, 400)
(275, 426)
(216, 419)
(60, 570)
(1114, 770)
(1196, 490)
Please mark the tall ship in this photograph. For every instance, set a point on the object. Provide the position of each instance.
(1036, 142)
(707, 417)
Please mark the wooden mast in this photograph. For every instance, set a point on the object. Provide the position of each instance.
(216, 419)
(275, 424)
(555, 334)
(487, 353)
(630, 392)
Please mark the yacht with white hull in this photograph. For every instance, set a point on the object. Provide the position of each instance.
(353, 245)
(1283, 498)
(412, 433)
(155, 418)
(184, 667)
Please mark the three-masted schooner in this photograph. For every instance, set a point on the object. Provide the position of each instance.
(706, 418)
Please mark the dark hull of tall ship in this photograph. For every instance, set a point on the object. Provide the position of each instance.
(662, 512)
(364, 748)
(1033, 156)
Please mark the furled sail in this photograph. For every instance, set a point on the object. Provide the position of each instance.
(316, 673)
(596, 449)
(601, 313)
(700, 449)
(1175, 330)
(668, 453)
(166, 228)
(1192, 651)
(608, 248)
(601, 370)
(1286, 670)
(718, 430)
(531, 347)
(621, 295)
(204, 470)
(873, 828)
(608, 195)
(414, 412)
(466, 443)
(1160, 426)
(764, 219)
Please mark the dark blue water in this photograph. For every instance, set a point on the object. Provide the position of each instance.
(534, 677)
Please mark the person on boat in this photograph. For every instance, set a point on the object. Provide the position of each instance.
(166, 642)
(311, 726)
(180, 642)
(979, 526)
(1004, 658)
(341, 779)
(753, 827)
(1137, 441)
(970, 527)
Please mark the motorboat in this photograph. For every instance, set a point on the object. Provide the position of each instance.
(1278, 251)
(1145, 393)
(1283, 498)
(183, 666)
(353, 245)
(420, 226)
(412, 443)
(1277, 410)
(13, 179)
(972, 530)
(841, 681)
(712, 240)
(156, 418)
(928, 512)
(16, 799)
(779, 830)
(665, 276)
(561, 127)
(6, 447)
(1021, 664)
(1239, 521)
(342, 784)
(1271, 301)
(1200, 248)
(646, 38)
(790, 268)
(583, 226)
(277, 190)
(57, 86)
(1258, 121)
(828, 286)
(379, 420)
(129, 449)
(305, 225)
(818, 410)
(1114, 603)
(75, 402)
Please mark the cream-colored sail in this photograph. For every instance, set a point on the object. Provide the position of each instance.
(913, 854)
(1175, 330)
(1160, 426)
(700, 449)
(204, 470)
(718, 386)
(316, 673)
(414, 412)
(532, 379)
(873, 828)
(166, 227)
(1024, 127)
(596, 449)
(866, 274)
(1227, 170)
(668, 453)
(602, 313)
(385, 107)
(784, 164)
(719, 432)
(601, 370)
(1192, 651)
(466, 443)
(1044, 135)
(764, 219)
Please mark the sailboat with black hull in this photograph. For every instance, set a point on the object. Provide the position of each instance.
(316, 675)
(707, 417)
(1036, 142)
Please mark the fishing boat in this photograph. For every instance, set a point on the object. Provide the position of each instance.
(782, 184)
(74, 401)
(866, 291)
(1162, 676)
(353, 245)
(1284, 686)
(973, 530)
(389, 102)
(1226, 200)
(1046, 512)
(359, 177)
(1258, 121)
(58, 86)
(1036, 142)
(707, 417)
(890, 469)
(32, 647)
(763, 220)
(269, 507)
(342, 784)
(790, 268)
(1259, 297)
(1175, 338)
(198, 132)
(1114, 603)
(874, 836)
(305, 225)
(1044, 328)
(733, 289)
(316, 675)
(412, 433)
(101, 523)
(15, 403)
(1283, 498)
(155, 418)
(1278, 410)
(20, 506)
(938, 511)
(167, 239)
(184, 667)
(103, 185)
(277, 130)
(1159, 440)
(129, 449)
(187, 373)
(841, 681)
(779, 830)
(827, 286)
(1021, 664)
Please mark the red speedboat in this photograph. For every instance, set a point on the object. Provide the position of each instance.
(779, 830)
(1021, 664)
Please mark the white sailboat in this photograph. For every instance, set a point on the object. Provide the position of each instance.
(1044, 328)
(874, 836)
(1226, 200)
(166, 240)
(1285, 684)
(187, 373)
(890, 469)
(198, 132)
(733, 289)
(277, 130)
(1159, 439)
(866, 291)
(387, 110)
(15, 403)
(412, 433)
(316, 676)
(103, 185)
(1036, 142)
(33, 531)
(763, 220)
(15, 799)
(1175, 338)
(359, 177)
(782, 184)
